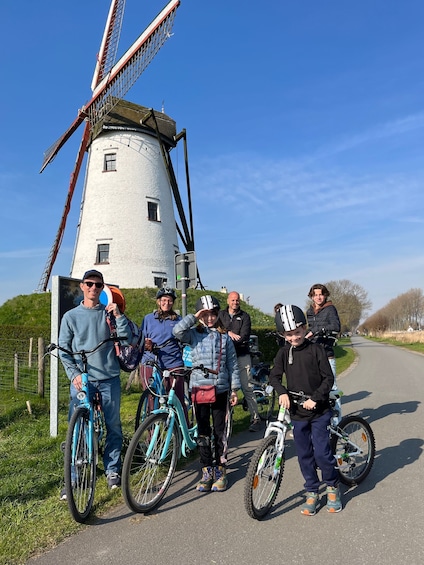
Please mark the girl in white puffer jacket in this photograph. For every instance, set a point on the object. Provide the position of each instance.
(212, 348)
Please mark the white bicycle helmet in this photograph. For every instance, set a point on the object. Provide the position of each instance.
(207, 303)
(289, 317)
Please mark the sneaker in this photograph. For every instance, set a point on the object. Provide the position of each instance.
(255, 426)
(221, 480)
(309, 508)
(63, 495)
(113, 480)
(334, 503)
(205, 483)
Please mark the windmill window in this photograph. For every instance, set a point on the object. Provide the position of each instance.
(102, 253)
(153, 211)
(109, 162)
(160, 282)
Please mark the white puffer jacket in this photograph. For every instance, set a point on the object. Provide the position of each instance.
(211, 349)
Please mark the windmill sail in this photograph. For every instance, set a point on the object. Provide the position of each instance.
(121, 77)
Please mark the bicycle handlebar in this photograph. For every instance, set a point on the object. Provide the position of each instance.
(52, 346)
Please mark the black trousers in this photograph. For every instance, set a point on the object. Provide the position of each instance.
(219, 410)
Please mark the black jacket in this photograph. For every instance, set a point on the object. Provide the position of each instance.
(240, 324)
(322, 323)
(310, 373)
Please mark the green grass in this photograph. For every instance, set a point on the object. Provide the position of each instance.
(32, 519)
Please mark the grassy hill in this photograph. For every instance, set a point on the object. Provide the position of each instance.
(29, 315)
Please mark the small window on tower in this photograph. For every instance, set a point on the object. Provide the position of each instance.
(102, 253)
(160, 282)
(153, 211)
(110, 162)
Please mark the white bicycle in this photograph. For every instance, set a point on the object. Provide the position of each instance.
(352, 442)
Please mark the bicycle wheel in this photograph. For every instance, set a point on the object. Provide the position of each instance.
(267, 404)
(263, 479)
(144, 407)
(80, 465)
(146, 474)
(355, 450)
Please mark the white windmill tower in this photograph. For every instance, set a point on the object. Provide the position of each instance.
(127, 226)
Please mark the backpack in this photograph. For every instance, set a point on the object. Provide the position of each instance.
(129, 356)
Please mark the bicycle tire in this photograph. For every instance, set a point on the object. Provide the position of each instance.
(145, 481)
(80, 470)
(262, 483)
(267, 405)
(143, 408)
(354, 467)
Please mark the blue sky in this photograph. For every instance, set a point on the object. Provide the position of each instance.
(305, 125)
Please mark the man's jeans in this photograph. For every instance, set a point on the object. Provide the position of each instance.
(110, 391)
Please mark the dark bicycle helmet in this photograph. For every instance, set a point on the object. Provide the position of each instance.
(207, 303)
(289, 317)
(166, 291)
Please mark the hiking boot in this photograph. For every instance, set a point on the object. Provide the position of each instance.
(205, 483)
(221, 480)
(255, 426)
(309, 508)
(113, 481)
(334, 503)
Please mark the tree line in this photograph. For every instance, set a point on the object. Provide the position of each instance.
(404, 312)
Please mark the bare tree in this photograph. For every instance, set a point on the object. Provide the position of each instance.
(402, 312)
(351, 301)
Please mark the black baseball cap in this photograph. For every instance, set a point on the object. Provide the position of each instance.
(92, 273)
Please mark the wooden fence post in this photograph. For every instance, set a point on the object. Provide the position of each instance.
(31, 344)
(41, 365)
(16, 372)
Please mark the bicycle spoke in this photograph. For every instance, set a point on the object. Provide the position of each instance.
(150, 463)
(80, 466)
(354, 450)
(263, 479)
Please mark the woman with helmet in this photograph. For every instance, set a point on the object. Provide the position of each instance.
(212, 348)
(157, 329)
(307, 370)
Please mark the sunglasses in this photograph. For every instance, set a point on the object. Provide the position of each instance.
(96, 284)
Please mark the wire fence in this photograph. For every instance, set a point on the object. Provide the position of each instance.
(25, 368)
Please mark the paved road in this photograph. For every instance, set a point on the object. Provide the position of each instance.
(382, 520)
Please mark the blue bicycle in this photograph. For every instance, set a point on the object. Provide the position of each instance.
(155, 389)
(154, 450)
(81, 447)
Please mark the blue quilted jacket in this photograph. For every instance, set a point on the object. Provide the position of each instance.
(211, 349)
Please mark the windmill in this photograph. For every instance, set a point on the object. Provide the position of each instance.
(111, 126)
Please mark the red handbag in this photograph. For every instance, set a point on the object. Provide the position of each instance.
(204, 394)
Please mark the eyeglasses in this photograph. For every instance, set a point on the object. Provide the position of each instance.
(96, 284)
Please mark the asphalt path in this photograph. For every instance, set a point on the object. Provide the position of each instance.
(382, 520)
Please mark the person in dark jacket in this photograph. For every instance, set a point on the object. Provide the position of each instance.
(238, 325)
(323, 322)
(212, 348)
(307, 370)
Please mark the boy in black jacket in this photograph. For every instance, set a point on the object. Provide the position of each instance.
(307, 370)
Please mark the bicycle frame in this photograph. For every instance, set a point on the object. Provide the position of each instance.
(175, 411)
(83, 397)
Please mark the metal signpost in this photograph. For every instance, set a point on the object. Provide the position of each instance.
(185, 275)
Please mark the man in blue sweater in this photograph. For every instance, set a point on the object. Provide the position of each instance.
(84, 327)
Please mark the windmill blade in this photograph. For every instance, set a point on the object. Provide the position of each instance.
(42, 285)
(109, 45)
(122, 76)
(130, 66)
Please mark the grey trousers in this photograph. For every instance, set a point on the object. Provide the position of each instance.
(245, 363)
